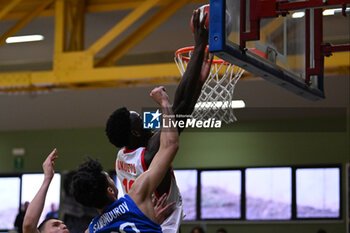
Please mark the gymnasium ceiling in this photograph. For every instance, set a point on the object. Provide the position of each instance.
(125, 68)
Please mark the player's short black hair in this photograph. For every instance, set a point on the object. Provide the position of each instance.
(89, 185)
(221, 230)
(118, 127)
(41, 227)
(198, 228)
(67, 181)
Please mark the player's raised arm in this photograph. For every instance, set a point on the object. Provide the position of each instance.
(148, 181)
(169, 137)
(36, 206)
(197, 70)
(190, 86)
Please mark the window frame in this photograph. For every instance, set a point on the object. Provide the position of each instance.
(20, 175)
(243, 193)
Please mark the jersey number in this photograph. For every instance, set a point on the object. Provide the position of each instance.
(127, 224)
(127, 184)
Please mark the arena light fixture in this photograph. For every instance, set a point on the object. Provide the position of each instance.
(221, 104)
(297, 15)
(334, 11)
(22, 39)
(301, 14)
(329, 12)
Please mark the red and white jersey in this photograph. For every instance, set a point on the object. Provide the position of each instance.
(129, 165)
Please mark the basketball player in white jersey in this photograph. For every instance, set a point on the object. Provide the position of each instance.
(138, 146)
(134, 212)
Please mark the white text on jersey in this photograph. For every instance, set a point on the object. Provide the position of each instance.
(127, 167)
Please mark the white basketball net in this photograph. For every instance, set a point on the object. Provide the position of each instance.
(215, 100)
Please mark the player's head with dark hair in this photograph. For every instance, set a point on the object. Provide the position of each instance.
(124, 128)
(52, 225)
(197, 229)
(118, 127)
(67, 180)
(25, 205)
(93, 187)
(221, 230)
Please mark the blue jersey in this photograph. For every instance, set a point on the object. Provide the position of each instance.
(123, 216)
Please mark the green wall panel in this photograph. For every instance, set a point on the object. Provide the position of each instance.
(267, 143)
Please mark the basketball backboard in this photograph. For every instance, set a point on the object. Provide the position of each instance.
(288, 39)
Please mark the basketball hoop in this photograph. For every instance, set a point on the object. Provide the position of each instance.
(215, 100)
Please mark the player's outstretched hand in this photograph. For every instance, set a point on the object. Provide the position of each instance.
(48, 165)
(159, 95)
(161, 209)
(207, 61)
(201, 33)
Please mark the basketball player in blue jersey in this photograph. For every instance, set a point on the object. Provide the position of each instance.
(134, 212)
(124, 128)
(53, 225)
(36, 206)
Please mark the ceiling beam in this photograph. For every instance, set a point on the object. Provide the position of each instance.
(121, 26)
(85, 77)
(8, 8)
(60, 27)
(76, 22)
(92, 6)
(93, 77)
(76, 70)
(141, 32)
(337, 64)
(26, 19)
(270, 28)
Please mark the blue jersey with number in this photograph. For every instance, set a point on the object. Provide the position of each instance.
(123, 216)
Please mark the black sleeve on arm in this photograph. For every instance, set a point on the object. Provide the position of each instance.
(188, 91)
(152, 148)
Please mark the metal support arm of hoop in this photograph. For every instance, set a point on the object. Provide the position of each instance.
(260, 9)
